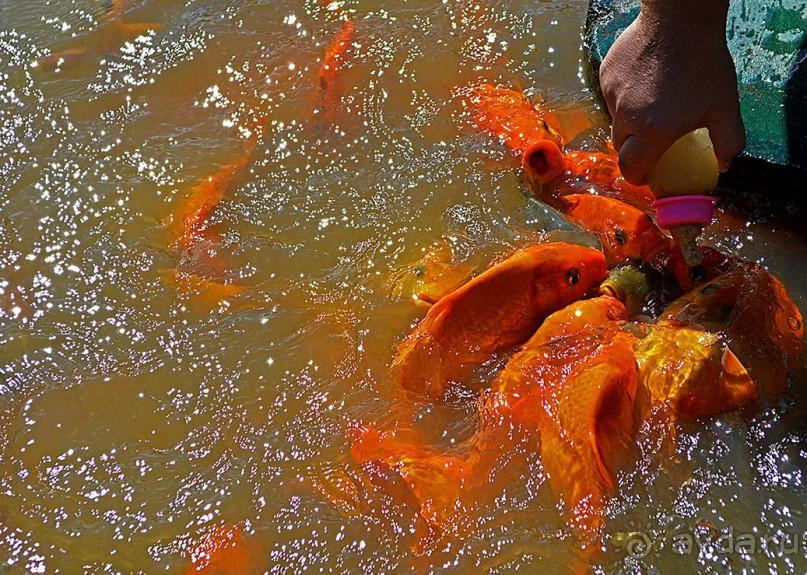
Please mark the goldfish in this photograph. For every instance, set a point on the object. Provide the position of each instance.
(201, 271)
(187, 223)
(112, 33)
(602, 168)
(693, 372)
(500, 308)
(335, 60)
(433, 276)
(528, 130)
(580, 422)
(577, 392)
(226, 550)
(752, 310)
(627, 233)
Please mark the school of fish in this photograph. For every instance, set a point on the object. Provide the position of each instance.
(585, 356)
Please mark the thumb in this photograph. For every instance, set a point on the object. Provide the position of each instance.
(638, 156)
(727, 133)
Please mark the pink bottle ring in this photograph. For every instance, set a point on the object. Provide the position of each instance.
(678, 210)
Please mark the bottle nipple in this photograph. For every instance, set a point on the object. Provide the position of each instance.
(683, 181)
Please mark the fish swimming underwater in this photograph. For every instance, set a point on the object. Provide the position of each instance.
(627, 233)
(110, 35)
(201, 271)
(226, 550)
(496, 310)
(329, 78)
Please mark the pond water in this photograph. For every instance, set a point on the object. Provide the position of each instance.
(135, 417)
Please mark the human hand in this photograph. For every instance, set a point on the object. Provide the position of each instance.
(668, 73)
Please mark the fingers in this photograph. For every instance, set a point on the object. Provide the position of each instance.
(727, 133)
(638, 155)
(618, 133)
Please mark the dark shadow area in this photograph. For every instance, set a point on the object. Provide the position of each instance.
(796, 112)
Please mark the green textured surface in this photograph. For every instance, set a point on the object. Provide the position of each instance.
(768, 41)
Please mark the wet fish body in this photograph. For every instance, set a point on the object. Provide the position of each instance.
(495, 311)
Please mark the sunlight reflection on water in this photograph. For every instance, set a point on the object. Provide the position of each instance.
(135, 418)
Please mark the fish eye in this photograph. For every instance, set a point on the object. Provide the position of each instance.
(708, 289)
(573, 276)
(794, 323)
(697, 274)
(620, 236)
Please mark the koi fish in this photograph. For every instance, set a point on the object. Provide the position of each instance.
(584, 418)
(692, 371)
(577, 391)
(498, 309)
(602, 168)
(627, 233)
(432, 276)
(201, 271)
(109, 37)
(334, 61)
(528, 130)
(226, 550)
(752, 310)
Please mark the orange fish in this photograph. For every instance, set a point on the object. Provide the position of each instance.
(498, 309)
(226, 550)
(107, 38)
(602, 168)
(578, 391)
(201, 271)
(432, 276)
(761, 324)
(693, 372)
(577, 388)
(335, 60)
(528, 130)
(626, 233)
(187, 223)
(584, 416)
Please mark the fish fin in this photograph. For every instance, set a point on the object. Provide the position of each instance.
(226, 550)
(418, 366)
(735, 382)
(435, 479)
(57, 59)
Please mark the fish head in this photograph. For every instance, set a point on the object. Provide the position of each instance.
(626, 233)
(576, 271)
(752, 308)
(629, 285)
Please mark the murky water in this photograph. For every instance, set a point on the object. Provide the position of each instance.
(135, 418)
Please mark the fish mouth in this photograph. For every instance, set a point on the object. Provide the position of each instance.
(629, 285)
(543, 161)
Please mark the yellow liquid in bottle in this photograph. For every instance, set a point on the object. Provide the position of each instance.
(688, 167)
